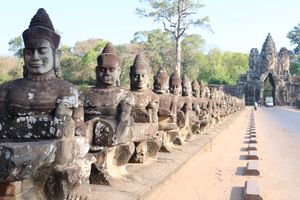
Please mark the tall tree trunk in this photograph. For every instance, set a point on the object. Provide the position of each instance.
(178, 55)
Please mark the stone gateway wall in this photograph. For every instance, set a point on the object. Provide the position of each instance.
(274, 66)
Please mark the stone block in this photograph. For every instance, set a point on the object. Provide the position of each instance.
(252, 147)
(7, 189)
(253, 135)
(252, 155)
(252, 169)
(252, 191)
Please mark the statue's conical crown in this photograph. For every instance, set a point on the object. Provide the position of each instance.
(138, 64)
(195, 84)
(108, 55)
(175, 79)
(41, 27)
(41, 18)
(185, 80)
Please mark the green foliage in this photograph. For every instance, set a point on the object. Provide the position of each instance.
(268, 88)
(176, 17)
(16, 46)
(157, 47)
(10, 68)
(78, 65)
(294, 36)
(295, 68)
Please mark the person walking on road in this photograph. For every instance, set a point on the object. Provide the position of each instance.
(255, 105)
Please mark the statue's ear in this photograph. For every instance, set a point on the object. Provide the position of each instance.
(57, 69)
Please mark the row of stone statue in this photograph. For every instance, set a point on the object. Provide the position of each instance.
(54, 142)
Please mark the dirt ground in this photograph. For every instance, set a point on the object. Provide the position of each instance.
(217, 173)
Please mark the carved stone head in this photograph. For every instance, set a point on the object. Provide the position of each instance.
(41, 42)
(161, 81)
(175, 83)
(108, 69)
(186, 86)
(195, 88)
(203, 90)
(139, 74)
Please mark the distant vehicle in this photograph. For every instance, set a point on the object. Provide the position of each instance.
(269, 101)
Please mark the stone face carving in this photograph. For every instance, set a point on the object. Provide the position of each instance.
(269, 54)
(144, 112)
(40, 107)
(283, 62)
(167, 112)
(107, 109)
(272, 65)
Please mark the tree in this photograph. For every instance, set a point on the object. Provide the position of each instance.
(176, 17)
(294, 36)
(16, 46)
(157, 47)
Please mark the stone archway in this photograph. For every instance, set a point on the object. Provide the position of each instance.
(268, 87)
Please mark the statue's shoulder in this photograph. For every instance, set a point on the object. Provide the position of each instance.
(6, 86)
(64, 87)
(126, 95)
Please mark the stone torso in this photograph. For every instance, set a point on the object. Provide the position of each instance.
(104, 102)
(25, 97)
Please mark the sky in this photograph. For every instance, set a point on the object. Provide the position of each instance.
(238, 25)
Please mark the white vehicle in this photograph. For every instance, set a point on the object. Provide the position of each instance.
(269, 101)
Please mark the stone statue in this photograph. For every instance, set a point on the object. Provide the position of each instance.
(204, 102)
(184, 105)
(107, 109)
(167, 113)
(37, 128)
(144, 112)
(197, 107)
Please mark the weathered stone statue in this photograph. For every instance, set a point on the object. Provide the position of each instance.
(39, 154)
(204, 110)
(196, 107)
(184, 106)
(167, 113)
(144, 112)
(107, 109)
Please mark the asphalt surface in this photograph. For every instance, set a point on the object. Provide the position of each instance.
(278, 136)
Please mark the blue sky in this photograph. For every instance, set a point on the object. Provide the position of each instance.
(238, 25)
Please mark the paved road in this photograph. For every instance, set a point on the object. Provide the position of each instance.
(278, 135)
(287, 119)
(216, 172)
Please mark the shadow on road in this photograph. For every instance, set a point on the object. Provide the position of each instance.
(237, 193)
(240, 171)
(243, 157)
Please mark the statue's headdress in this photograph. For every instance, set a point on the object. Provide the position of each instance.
(41, 28)
(175, 79)
(138, 64)
(108, 56)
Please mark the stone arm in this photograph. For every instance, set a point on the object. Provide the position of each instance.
(63, 117)
(173, 108)
(124, 122)
(3, 109)
(152, 109)
(3, 102)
